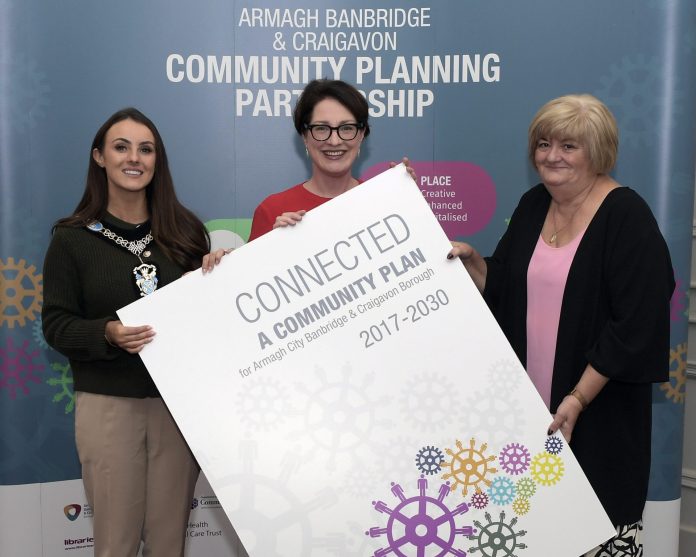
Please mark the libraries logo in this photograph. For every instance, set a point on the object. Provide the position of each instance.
(72, 512)
(78, 543)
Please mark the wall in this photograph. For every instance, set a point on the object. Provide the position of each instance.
(687, 536)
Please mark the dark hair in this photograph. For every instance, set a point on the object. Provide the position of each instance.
(180, 234)
(320, 89)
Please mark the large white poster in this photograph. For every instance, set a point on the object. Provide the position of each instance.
(347, 392)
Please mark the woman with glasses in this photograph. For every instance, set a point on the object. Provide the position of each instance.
(331, 116)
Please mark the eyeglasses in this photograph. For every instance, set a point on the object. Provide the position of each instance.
(322, 132)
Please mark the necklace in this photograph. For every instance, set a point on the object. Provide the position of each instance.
(145, 273)
(556, 230)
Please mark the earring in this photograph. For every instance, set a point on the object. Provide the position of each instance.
(358, 151)
(306, 151)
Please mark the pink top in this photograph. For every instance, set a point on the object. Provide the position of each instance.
(546, 280)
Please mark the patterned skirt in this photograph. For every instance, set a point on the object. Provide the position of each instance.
(626, 543)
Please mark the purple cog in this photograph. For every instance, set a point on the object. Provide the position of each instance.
(18, 367)
(479, 500)
(420, 523)
(515, 458)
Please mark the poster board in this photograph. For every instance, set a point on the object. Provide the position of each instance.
(347, 392)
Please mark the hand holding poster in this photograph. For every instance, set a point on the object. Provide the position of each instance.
(347, 392)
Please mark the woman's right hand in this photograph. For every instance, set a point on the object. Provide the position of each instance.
(289, 219)
(473, 262)
(130, 339)
(566, 417)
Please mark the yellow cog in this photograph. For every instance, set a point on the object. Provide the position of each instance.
(675, 388)
(521, 506)
(21, 292)
(547, 469)
(469, 466)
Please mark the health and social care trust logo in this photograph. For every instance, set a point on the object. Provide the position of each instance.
(72, 512)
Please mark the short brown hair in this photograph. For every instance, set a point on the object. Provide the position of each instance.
(321, 89)
(581, 117)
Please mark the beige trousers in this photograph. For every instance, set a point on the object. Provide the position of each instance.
(138, 472)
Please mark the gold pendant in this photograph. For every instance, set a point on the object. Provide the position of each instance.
(552, 239)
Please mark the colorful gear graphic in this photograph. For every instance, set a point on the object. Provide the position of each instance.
(479, 500)
(420, 525)
(22, 293)
(514, 458)
(502, 490)
(497, 538)
(525, 488)
(429, 460)
(547, 469)
(675, 388)
(553, 445)
(65, 382)
(18, 368)
(521, 506)
(469, 466)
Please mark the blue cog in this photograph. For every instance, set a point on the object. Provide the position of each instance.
(429, 460)
(502, 490)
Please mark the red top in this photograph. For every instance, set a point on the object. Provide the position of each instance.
(296, 198)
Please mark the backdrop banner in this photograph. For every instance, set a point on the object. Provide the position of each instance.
(453, 84)
(335, 321)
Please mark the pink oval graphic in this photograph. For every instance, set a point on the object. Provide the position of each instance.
(461, 194)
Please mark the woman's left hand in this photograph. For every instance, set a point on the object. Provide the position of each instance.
(566, 416)
(409, 168)
(213, 258)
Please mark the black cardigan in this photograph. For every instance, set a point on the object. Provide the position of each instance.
(615, 316)
(87, 277)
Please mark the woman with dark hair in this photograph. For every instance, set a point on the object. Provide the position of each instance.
(580, 283)
(331, 117)
(128, 236)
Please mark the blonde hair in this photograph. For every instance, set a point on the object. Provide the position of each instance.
(583, 118)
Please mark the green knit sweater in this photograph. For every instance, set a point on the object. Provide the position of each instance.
(87, 277)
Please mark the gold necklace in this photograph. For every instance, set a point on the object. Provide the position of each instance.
(556, 230)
